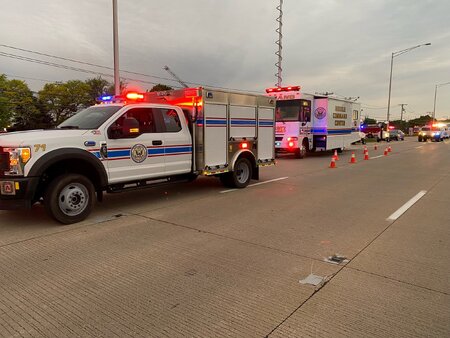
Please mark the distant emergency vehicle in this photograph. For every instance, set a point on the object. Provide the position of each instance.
(136, 141)
(307, 123)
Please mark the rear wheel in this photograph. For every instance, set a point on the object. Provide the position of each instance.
(69, 198)
(240, 176)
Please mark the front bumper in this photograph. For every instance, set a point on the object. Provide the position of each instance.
(22, 194)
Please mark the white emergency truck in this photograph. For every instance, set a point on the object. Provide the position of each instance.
(307, 123)
(136, 141)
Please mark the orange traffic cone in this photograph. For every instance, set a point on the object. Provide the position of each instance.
(386, 152)
(389, 149)
(353, 159)
(366, 155)
(375, 147)
(333, 163)
(336, 157)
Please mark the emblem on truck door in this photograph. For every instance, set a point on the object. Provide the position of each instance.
(138, 153)
(320, 113)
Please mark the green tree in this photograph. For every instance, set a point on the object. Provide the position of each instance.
(5, 112)
(98, 87)
(368, 120)
(18, 105)
(160, 87)
(62, 100)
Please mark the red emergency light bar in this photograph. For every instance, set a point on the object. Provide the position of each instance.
(134, 96)
(283, 89)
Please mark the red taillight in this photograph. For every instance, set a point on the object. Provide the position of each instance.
(244, 145)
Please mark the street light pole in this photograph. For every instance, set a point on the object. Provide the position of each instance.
(116, 50)
(393, 55)
(435, 96)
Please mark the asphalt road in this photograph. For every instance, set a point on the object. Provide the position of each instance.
(198, 260)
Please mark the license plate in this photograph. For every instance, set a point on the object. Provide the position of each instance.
(280, 129)
(7, 188)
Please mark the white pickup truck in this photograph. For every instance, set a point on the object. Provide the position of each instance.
(136, 141)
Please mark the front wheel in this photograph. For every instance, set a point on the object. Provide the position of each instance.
(69, 198)
(240, 176)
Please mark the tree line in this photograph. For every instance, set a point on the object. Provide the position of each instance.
(23, 109)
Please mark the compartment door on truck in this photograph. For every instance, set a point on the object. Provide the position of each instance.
(266, 122)
(215, 138)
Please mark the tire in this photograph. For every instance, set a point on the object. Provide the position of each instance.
(304, 148)
(69, 198)
(241, 175)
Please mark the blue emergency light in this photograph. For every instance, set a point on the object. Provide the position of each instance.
(106, 98)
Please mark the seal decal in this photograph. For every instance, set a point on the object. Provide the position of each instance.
(138, 153)
(320, 113)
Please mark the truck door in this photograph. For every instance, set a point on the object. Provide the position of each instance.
(137, 153)
(177, 141)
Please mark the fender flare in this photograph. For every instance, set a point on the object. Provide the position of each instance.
(238, 154)
(54, 156)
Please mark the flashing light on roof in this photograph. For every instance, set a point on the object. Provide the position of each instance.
(105, 98)
(391, 127)
(134, 96)
(283, 89)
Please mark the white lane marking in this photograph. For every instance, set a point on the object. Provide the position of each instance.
(419, 147)
(255, 184)
(406, 206)
(376, 157)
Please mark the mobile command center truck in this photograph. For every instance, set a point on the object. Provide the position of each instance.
(136, 141)
(307, 123)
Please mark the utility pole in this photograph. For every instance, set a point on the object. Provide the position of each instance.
(116, 49)
(403, 110)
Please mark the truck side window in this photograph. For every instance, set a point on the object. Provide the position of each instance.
(171, 120)
(145, 117)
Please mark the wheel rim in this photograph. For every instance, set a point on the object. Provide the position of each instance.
(73, 199)
(242, 172)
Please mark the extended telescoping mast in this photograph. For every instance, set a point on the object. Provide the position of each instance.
(279, 44)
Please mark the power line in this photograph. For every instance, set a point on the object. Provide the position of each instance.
(123, 71)
(28, 78)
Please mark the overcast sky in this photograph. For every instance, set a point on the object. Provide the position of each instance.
(340, 46)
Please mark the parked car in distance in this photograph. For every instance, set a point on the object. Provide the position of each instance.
(397, 135)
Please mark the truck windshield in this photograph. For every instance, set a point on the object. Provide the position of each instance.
(90, 118)
(288, 110)
(425, 129)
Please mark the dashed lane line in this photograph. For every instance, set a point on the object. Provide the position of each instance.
(255, 184)
(406, 206)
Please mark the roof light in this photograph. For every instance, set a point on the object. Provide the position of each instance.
(134, 96)
(283, 89)
(106, 98)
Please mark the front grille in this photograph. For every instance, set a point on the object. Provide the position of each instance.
(4, 162)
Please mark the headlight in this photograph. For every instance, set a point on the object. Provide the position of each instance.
(432, 134)
(18, 157)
